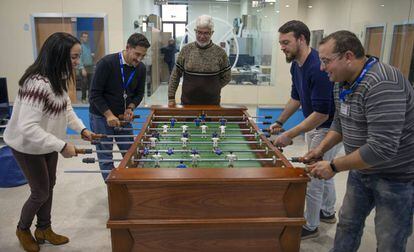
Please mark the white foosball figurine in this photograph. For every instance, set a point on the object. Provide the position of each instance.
(231, 157)
(157, 157)
(215, 142)
(222, 130)
(203, 130)
(184, 127)
(194, 159)
(153, 142)
(184, 141)
(165, 128)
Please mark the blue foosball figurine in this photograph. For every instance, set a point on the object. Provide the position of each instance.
(222, 121)
(197, 122)
(185, 134)
(218, 151)
(172, 122)
(181, 165)
(214, 135)
(170, 151)
(194, 151)
(145, 151)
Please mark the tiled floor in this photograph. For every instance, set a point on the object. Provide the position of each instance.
(80, 210)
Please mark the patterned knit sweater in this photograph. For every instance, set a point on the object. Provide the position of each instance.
(39, 119)
(206, 61)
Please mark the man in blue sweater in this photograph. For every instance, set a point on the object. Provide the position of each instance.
(117, 89)
(311, 90)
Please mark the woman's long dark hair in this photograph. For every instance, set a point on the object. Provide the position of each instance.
(54, 62)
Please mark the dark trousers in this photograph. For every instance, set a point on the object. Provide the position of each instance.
(85, 84)
(40, 172)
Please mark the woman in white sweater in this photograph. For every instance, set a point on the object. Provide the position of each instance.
(41, 113)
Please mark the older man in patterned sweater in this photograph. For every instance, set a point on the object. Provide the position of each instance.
(204, 66)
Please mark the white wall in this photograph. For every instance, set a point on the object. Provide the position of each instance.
(132, 9)
(355, 15)
(16, 48)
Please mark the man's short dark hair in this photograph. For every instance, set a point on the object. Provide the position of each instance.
(137, 39)
(345, 41)
(298, 28)
(84, 32)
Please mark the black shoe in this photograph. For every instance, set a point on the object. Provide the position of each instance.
(306, 234)
(327, 218)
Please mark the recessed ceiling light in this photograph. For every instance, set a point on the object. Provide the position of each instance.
(277, 11)
(287, 5)
(310, 6)
(382, 5)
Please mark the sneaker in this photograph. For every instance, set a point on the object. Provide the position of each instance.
(306, 234)
(331, 219)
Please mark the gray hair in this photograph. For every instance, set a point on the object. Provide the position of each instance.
(205, 21)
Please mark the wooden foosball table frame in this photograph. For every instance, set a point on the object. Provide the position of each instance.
(196, 209)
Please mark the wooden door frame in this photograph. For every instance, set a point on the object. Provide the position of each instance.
(68, 15)
(384, 25)
(392, 36)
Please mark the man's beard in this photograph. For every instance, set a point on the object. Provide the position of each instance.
(290, 58)
(201, 44)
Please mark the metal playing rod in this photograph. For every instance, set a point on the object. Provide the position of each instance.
(103, 136)
(171, 142)
(201, 142)
(208, 151)
(192, 130)
(201, 135)
(207, 116)
(94, 160)
(215, 122)
(87, 171)
(90, 151)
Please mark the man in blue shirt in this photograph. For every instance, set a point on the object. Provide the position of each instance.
(86, 65)
(311, 90)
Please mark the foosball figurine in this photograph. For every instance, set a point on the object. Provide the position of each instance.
(157, 157)
(165, 128)
(203, 130)
(195, 158)
(184, 127)
(185, 134)
(222, 130)
(172, 122)
(156, 134)
(218, 151)
(203, 116)
(181, 165)
(215, 141)
(184, 141)
(153, 142)
(194, 151)
(223, 121)
(231, 157)
(197, 122)
(170, 151)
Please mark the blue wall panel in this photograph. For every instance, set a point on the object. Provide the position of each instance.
(294, 120)
(83, 114)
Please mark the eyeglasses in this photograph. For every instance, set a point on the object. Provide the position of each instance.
(200, 33)
(326, 61)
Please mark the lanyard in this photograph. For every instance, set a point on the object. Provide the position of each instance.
(344, 92)
(125, 85)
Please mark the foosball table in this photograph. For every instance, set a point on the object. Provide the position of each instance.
(205, 178)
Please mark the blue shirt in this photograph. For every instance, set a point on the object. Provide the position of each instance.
(86, 58)
(312, 88)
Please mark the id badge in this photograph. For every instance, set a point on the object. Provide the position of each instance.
(345, 109)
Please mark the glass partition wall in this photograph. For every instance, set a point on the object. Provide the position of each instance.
(245, 29)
